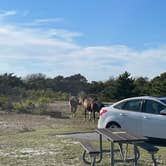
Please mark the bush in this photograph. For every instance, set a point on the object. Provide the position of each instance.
(5, 103)
(42, 105)
(26, 106)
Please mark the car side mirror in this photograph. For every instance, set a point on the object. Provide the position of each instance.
(163, 112)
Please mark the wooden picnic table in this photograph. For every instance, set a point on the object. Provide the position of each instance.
(120, 136)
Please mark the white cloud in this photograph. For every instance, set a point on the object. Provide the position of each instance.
(5, 13)
(48, 20)
(43, 21)
(26, 50)
(64, 34)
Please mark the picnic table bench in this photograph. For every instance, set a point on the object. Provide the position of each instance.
(91, 150)
(150, 148)
(120, 137)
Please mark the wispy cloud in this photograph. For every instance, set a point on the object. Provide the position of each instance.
(26, 50)
(64, 34)
(5, 13)
(48, 20)
(43, 21)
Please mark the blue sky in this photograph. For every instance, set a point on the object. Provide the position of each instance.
(98, 39)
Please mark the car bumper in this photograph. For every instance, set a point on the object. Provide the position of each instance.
(101, 123)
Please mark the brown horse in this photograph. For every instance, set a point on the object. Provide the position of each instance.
(96, 107)
(91, 106)
(73, 102)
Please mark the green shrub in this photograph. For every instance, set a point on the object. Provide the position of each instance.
(26, 106)
(5, 103)
(18, 107)
(42, 105)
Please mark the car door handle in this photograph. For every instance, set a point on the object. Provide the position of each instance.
(122, 114)
(145, 117)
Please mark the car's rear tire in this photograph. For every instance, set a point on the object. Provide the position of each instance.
(113, 125)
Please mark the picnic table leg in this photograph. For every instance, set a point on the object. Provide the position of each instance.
(112, 154)
(101, 147)
(135, 155)
(121, 151)
(93, 160)
(154, 160)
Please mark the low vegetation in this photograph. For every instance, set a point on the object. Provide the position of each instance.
(32, 140)
(33, 93)
(30, 118)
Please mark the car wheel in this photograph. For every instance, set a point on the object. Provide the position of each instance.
(113, 125)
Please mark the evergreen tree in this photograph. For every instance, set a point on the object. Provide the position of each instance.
(124, 86)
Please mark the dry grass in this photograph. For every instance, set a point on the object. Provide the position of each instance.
(29, 140)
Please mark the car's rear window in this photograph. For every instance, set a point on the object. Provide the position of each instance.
(130, 105)
(163, 100)
(120, 105)
(133, 105)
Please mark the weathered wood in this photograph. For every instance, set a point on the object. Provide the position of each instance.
(148, 147)
(119, 135)
(89, 148)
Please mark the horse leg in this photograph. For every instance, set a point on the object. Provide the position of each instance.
(90, 112)
(85, 113)
(72, 112)
(75, 109)
(94, 115)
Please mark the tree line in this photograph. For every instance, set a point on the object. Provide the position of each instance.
(40, 87)
(114, 88)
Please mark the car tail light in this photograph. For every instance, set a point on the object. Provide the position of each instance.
(103, 112)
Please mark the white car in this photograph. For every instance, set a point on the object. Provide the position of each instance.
(141, 115)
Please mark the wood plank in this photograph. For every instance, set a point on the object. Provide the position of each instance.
(89, 147)
(119, 135)
(106, 134)
(148, 147)
(109, 135)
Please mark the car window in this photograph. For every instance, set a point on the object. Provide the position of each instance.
(120, 105)
(152, 107)
(163, 100)
(133, 105)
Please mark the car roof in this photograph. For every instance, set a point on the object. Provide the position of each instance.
(147, 97)
(162, 98)
(144, 97)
